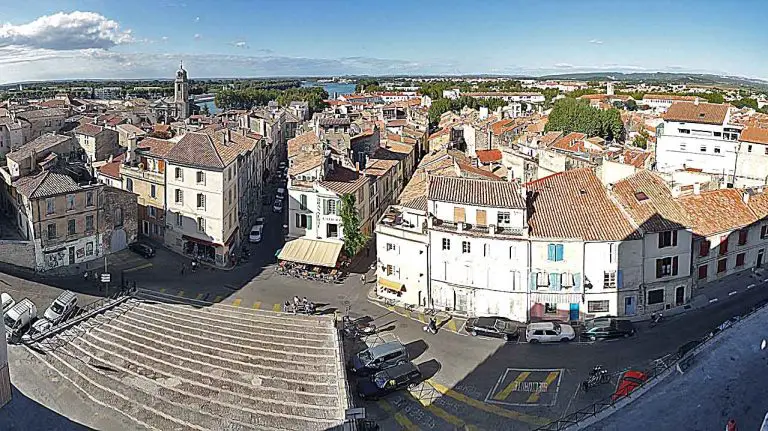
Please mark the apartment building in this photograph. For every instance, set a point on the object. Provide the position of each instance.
(752, 157)
(202, 217)
(697, 135)
(13, 134)
(42, 121)
(98, 142)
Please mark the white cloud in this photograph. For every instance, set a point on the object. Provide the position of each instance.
(197, 19)
(596, 41)
(66, 31)
(164, 38)
(564, 66)
(198, 36)
(240, 44)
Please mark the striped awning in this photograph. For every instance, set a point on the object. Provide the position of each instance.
(391, 285)
(556, 298)
(311, 252)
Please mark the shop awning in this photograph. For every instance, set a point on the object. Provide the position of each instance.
(556, 298)
(311, 252)
(391, 285)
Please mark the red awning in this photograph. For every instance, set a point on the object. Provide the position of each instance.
(200, 241)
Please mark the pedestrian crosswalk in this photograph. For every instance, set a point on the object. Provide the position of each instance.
(233, 301)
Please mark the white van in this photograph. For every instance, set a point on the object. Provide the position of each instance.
(18, 319)
(7, 301)
(61, 307)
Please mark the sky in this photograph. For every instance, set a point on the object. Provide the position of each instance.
(103, 39)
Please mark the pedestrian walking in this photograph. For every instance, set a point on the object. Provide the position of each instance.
(183, 268)
(731, 425)
(362, 278)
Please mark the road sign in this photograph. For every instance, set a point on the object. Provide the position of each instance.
(105, 278)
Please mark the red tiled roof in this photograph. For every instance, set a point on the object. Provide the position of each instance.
(758, 203)
(156, 147)
(343, 180)
(717, 211)
(488, 156)
(703, 113)
(501, 194)
(88, 129)
(659, 211)
(112, 169)
(468, 171)
(441, 132)
(636, 158)
(572, 142)
(574, 204)
(757, 135)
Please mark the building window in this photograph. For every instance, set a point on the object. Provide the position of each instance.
(179, 196)
(504, 218)
(611, 253)
(50, 207)
(541, 279)
(655, 296)
(486, 250)
(200, 201)
(609, 280)
(763, 232)
(89, 199)
(682, 147)
(52, 231)
(743, 236)
(200, 176)
(723, 245)
(512, 252)
(178, 174)
(70, 202)
(129, 184)
(598, 306)
(722, 265)
(740, 259)
(555, 252)
(766, 151)
(332, 230)
(152, 212)
(332, 207)
(153, 191)
(304, 221)
(88, 223)
(446, 244)
(704, 248)
(684, 131)
(179, 219)
(303, 202)
(201, 224)
(666, 266)
(389, 269)
(550, 308)
(668, 238)
(702, 272)
(71, 227)
(717, 149)
(749, 148)
(466, 247)
(89, 249)
(229, 196)
(391, 247)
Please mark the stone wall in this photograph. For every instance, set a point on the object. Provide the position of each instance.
(18, 253)
(120, 217)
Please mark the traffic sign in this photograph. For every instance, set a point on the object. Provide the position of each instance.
(105, 278)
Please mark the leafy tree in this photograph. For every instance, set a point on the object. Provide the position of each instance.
(749, 103)
(205, 111)
(641, 140)
(354, 238)
(712, 97)
(576, 115)
(368, 85)
(631, 105)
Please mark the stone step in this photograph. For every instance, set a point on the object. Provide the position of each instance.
(203, 352)
(309, 345)
(116, 396)
(321, 329)
(218, 403)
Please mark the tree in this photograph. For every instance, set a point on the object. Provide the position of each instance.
(205, 111)
(641, 140)
(354, 238)
(367, 85)
(576, 115)
(749, 103)
(631, 105)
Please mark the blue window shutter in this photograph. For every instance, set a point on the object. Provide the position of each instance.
(554, 281)
(559, 252)
(576, 281)
(551, 252)
(618, 280)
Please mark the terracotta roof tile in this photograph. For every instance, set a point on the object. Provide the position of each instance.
(488, 156)
(717, 211)
(304, 162)
(647, 199)
(468, 171)
(704, 113)
(156, 147)
(112, 169)
(499, 194)
(343, 180)
(669, 97)
(88, 129)
(574, 204)
(757, 135)
(502, 126)
(549, 138)
(305, 142)
(758, 203)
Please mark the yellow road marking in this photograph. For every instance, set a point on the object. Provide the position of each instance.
(399, 417)
(136, 268)
(256, 305)
(200, 296)
(511, 414)
(181, 293)
(277, 307)
(391, 308)
(452, 325)
(218, 298)
(237, 302)
(512, 386)
(444, 415)
(421, 318)
(407, 313)
(162, 290)
(550, 378)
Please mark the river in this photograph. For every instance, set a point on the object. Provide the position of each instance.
(334, 90)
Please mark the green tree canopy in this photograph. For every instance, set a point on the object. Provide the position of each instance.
(354, 238)
(576, 115)
(249, 97)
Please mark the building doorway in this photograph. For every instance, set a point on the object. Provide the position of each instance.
(573, 315)
(630, 306)
(679, 295)
(760, 258)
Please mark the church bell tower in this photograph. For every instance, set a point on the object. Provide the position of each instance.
(181, 92)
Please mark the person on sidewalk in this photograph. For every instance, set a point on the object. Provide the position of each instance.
(362, 278)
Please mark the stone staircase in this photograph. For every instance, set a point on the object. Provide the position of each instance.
(172, 366)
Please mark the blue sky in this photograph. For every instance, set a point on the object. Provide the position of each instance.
(46, 39)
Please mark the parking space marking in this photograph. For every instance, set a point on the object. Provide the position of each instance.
(421, 318)
(526, 387)
(236, 302)
(399, 417)
(548, 381)
(489, 408)
(256, 305)
(277, 307)
(733, 293)
(452, 325)
(512, 386)
(218, 298)
(136, 268)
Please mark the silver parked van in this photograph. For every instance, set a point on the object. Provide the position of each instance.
(378, 358)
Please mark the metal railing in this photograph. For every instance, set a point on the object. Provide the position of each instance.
(682, 360)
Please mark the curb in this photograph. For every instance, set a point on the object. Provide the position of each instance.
(448, 322)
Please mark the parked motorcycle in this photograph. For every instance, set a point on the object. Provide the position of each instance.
(354, 328)
(598, 376)
(431, 327)
(655, 319)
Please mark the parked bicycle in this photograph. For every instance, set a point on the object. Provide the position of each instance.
(598, 376)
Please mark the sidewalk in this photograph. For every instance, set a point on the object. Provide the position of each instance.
(445, 321)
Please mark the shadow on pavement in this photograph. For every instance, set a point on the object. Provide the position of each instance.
(416, 348)
(429, 368)
(23, 413)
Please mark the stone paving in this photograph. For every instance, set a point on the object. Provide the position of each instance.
(205, 367)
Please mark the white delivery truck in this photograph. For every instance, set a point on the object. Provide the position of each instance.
(19, 318)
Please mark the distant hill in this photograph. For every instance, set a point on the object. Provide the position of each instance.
(670, 78)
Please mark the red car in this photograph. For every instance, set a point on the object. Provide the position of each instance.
(629, 381)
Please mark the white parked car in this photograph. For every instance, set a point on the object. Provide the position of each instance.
(278, 206)
(280, 195)
(61, 307)
(255, 235)
(7, 301)
(548, 332)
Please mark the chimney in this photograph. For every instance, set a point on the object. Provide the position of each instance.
(696, 188)
(132, 144)
(696, 101)
(745, 197)
(227, 136)
(491, 229)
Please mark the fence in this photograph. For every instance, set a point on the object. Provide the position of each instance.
(661, 368)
